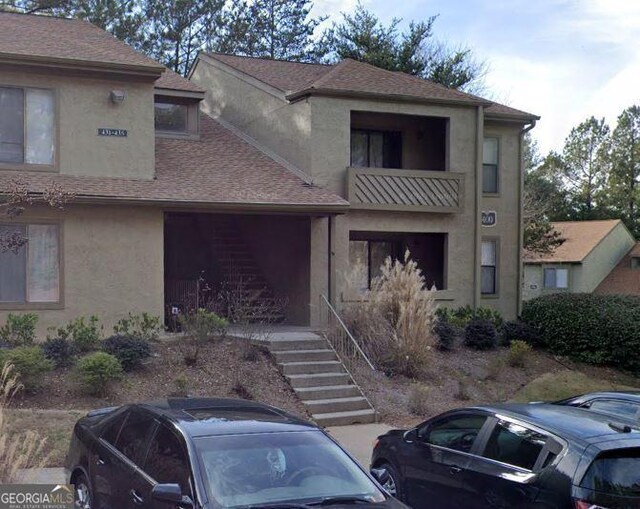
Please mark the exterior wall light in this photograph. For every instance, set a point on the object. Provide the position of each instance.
(116, 96)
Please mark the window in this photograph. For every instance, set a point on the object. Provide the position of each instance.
(514, 445)
(376, 149)
(171, 117)
(490, 165)
(635, 262)
(133, 436)
(556, 278)
(166, 460)
(489, 263)
(111, 432)
(458, 432)
(616, 473)
(26, 126)
(31, 273)
(615, 407)
(366, 257)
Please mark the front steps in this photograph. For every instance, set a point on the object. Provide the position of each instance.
(319, 379)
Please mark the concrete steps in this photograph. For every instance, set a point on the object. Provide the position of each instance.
(320, 380)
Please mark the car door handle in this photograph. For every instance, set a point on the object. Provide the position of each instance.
(135, 496)
(455, 469)
(100, 461)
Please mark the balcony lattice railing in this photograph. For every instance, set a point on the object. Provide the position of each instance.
(405, 190)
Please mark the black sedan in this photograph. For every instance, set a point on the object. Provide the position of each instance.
(514, 456)
(620, 404)
(210, 453)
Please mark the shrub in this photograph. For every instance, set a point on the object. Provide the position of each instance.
(481, 334)
(143, 326)
(446, 334)
(419, 400)
(597, 329)
(58, 350)
(20, 330)
(129, 350)
(518, 330)
(85, 335)
(96, 371)
(460, 317)
(30, 365)
(518, 353)
(182, 385)
(200, 327)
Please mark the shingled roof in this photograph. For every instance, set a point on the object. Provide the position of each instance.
(581, 237)
(173, 81)
(218, 170)
(49, 40)
(353, 78)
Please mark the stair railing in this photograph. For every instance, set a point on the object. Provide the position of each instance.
(341, 339)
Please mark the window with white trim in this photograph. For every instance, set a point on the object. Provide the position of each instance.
(556, 278)
(27, 126)
(31, 273)
(490, 165)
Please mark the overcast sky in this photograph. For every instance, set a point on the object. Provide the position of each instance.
(564, 60)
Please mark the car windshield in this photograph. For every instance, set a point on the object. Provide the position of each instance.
(616, 473)
(268, 468)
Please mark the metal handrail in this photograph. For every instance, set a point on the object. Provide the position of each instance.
(347, 332)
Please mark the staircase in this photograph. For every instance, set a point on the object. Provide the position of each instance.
(319, 379)
(239, 269)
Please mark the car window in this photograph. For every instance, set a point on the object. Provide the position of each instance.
(167, 460)
(515, 445)
(615, 407)
(133, 436)
(112, 429)
(616, 473)
(457, 432)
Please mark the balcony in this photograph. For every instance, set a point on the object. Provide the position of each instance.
(405, 190)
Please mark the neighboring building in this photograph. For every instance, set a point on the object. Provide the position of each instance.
(291, 173)
(624, 279)
(586, 259)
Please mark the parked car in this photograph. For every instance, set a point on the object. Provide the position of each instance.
(622, 404)
(212, 453)
(513, 456)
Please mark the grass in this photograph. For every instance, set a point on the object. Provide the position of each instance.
(55, 425)
(555, 386)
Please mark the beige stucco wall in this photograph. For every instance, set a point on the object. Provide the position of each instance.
(533, 284)
(83, 105)
(112, 261)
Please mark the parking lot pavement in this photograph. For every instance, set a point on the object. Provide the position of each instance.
(42, 476)
(358, 439)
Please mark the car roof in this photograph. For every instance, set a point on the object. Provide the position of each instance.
(625, 395)
(566, 421)
(199, 417)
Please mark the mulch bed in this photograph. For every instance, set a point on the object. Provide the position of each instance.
(222, 371)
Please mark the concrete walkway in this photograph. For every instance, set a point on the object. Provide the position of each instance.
(358, 439)
(42, 476)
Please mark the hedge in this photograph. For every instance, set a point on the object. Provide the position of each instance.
(597, 329)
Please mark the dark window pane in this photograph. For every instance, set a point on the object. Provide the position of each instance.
(359, 148)
(111, 432)
(13, 266)
(514, 445)
(392, 150)
(359, 263)
(457, 432)
(133, 436)
(11, 125)
(376, 150)
(615, 407)
(166, 460)
(549, 278)
(489, 178)
(488, 280)
(379, 252)
(171, 117)
(617, 473)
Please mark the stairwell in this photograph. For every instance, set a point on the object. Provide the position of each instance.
(319, 379)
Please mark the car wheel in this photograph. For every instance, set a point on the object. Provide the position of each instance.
(83, 496)
(392, 484)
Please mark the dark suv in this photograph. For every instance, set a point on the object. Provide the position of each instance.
(212, 453)
(513, 456)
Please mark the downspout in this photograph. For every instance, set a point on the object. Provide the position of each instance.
(520, 212)
(478, 206)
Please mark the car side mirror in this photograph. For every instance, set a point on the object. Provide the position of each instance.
(410, 435)
(380, 474)
(171, 493)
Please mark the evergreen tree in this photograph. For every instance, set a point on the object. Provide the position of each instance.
(624, 181)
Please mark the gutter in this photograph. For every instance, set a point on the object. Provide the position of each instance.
(520, 214)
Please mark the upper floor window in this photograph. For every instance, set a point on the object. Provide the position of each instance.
(490, 166)
(376, 149)
(26, 126)
(171, 117)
